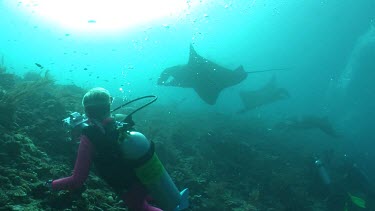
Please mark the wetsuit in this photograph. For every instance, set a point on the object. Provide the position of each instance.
(91, 149)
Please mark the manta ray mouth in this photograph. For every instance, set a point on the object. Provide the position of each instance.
(169, 80)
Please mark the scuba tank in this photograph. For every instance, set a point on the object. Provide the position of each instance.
(151, 172)
(322, 171)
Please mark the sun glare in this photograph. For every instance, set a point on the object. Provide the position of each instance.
(105, 15)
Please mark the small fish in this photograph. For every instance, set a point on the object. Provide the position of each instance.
(85, 68)
(39, 65)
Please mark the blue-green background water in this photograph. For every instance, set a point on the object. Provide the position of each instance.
(329, 46)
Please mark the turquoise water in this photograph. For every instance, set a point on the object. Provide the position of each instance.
(318, 40)
(314, 38)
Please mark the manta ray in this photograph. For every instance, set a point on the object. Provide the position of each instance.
(308, 122)
(207, 78)
(265, 95)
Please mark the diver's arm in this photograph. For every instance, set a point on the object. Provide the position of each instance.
(81, 168)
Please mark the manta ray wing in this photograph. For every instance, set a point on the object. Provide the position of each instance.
(208, 94)
(265, 95)
(195, 58)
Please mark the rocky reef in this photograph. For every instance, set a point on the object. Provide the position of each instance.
(229, 163)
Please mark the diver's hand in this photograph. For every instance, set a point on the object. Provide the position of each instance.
(42, 189)
(48, 184)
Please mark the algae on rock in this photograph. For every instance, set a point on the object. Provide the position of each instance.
(10, 99)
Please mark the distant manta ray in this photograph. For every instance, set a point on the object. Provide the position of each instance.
(265, 95)
(309, 122)
(207, 78)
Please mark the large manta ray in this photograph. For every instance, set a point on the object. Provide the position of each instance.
(207, 78)
(265, 95)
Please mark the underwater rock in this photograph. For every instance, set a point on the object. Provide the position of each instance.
(4, 180)
(7, 81)
(28, 145)
(13, 148)
(3, 198)
(18, 195)
(7, 113)
(31, 76)
(21, 92)
(2, 93)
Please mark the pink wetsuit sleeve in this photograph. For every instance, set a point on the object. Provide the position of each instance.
(81, 168)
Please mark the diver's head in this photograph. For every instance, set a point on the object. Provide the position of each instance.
(96, 103)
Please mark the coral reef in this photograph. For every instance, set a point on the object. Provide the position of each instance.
(229, 163)
(19, 93)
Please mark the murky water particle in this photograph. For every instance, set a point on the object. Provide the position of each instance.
(91, 21)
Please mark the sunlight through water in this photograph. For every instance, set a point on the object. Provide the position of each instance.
(108, 15)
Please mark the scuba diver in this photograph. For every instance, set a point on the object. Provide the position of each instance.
(354, 191)
(124, 159)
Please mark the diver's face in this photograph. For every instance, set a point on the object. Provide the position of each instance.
(98, 112)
